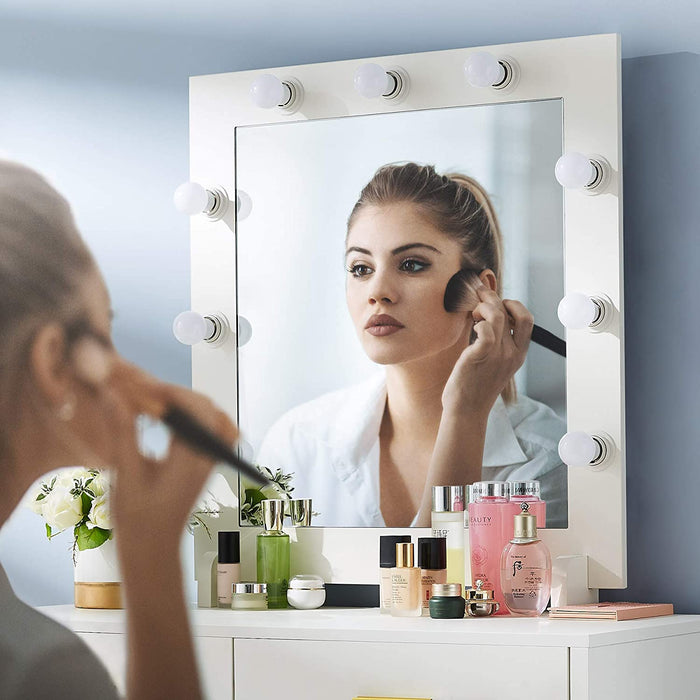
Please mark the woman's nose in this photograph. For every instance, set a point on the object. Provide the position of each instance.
(381, 289)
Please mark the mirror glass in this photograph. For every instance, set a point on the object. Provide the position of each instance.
(303, 179)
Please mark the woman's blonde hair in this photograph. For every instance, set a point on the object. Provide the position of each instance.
(43, 261)
(456, 204)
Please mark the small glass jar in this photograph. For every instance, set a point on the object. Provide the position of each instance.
(249, 596)
(447, 602)
(480, 601)
(306, 592)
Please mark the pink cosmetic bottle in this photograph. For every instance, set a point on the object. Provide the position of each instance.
(528, 492)
(526, 568)
(490, 529)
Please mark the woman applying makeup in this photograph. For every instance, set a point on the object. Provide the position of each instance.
(445, 411)
(67, 398)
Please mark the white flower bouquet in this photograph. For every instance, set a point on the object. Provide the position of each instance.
(76, 498)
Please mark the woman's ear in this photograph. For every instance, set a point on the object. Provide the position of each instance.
(488, 278)
(48, 362)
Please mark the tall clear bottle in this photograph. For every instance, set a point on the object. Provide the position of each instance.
(447, 520)
(273, 550)
(526, 568)
(489, 533)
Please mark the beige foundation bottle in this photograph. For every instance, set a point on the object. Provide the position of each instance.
(405, 583)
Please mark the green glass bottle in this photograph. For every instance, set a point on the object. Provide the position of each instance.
(273, 554)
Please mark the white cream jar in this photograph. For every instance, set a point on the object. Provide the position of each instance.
(306, 592)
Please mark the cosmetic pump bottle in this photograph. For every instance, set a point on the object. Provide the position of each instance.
(273, 551)
(528, 492)
(490, 529)
(432, 562)
(447, 520)
(387, 561)
(405, 584)
(526, 568)
(228, 566)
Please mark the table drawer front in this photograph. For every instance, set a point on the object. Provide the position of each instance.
(319, 670)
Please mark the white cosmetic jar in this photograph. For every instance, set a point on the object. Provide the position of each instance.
(306, 592)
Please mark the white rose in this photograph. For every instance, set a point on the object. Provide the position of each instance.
(66, 477)
(61, 509)
(99, 513)
(100, 484)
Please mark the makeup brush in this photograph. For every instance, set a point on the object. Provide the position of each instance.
(456, 294)
(95, 366)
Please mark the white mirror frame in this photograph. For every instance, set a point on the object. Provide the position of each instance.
(584, 72)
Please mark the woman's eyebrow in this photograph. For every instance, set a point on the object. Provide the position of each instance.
(396, 251)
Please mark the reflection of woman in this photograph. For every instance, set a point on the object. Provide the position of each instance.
(446, 411)
(63, 402)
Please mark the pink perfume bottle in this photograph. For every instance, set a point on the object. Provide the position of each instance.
(526, 568)
(490, 528)
(528, 492)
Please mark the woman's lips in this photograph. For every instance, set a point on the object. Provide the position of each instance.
(382, 324)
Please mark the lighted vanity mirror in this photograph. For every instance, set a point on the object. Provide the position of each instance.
(282, 266)
(304, 179)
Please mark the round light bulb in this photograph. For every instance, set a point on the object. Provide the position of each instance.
(189, 327)
(578, 449)
(574, 170)
(577, 310)
(372, 81)
(268, 91)
(482, 69)
(191, 198)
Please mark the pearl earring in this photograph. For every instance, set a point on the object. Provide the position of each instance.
(67, 410)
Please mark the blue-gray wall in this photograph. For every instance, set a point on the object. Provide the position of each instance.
(103, 112)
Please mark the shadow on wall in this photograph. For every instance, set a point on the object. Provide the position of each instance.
(661, 101)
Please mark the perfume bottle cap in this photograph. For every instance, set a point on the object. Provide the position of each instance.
(229, 547)
(273, 514)
(525, 488)
(300, 511)
(387, 549)
(447, 589)
(432, 553)
(490, 489)
(404, 554)
(524, 524)
(448, 499)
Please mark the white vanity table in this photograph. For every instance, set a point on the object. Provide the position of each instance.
(341, 653)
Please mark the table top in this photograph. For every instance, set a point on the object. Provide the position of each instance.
(367, 624)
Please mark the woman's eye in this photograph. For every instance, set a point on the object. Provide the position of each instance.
(412, 265)
(359, 270)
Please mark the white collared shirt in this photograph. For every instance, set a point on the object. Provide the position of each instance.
(331, 444)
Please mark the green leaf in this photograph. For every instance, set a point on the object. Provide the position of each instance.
(41, 497)
(254, 496)
(90, 539)
(86, 501)
(48, 530)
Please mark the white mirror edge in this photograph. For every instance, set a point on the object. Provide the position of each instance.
(584, 72)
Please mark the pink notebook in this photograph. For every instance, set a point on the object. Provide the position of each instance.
(610, 611)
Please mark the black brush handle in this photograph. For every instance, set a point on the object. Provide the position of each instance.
(202, 440)
(548, 340)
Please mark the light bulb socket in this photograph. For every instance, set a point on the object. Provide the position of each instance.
(604, 313)
(296, 95)
(402, 85)
(601, 178)
(221, 330)
(606, 451)
(218, 203)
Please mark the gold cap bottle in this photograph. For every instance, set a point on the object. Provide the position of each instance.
(524, 524)
(404, 554)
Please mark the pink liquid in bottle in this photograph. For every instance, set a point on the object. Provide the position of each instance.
(528, 492)
(526, 569)
(490, 529)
